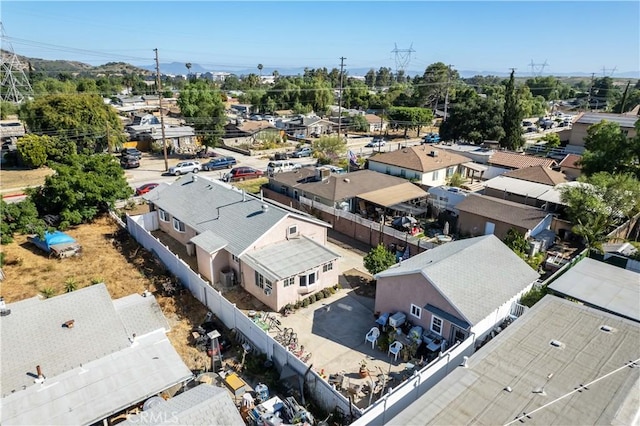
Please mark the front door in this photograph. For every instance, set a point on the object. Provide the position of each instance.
(457, 334)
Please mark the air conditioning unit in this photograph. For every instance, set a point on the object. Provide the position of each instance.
(267, 292)
(323, 173)
(227, 277)
(434, 153)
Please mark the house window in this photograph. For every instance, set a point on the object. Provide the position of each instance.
(416, 311)
(308, 280)
(164, 216)
(436, 325)
(435, 175)
(388, 170)
(177, 225)
(263, 283)
(293, 230)
(235, 258)
(283, 189)
(289, 281)
(327, 267)
(417, 176)
(450, 171)
(403, 173)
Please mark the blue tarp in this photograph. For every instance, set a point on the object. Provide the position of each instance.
(52, 239)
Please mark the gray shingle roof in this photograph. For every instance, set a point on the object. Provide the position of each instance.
(207, 205)
(141, 314)
(521, 358)
(516, 214)
(209, 242)
(466, 273)
(288, 258)
(204, 405)
(623, 120)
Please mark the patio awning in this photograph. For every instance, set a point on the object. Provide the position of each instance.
(387, 197)
(447, 316)
(475, 166)
(408, 208)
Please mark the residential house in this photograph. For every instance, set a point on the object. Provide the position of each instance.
(570, 166)
(142, 119)
(422, 164)
(203, 405)
(129, 101)
(482, 215)
(524, 186)
(81, 357)
(560, 363)
(376, 124)
(10, 131)
(278, 255)
(459, 289)
(446, 198)
(579, 129)
(502, 161)
(176, 138)
(305, 127)
(601, 286)
(242, 109)
(248, 129)
(357, 192)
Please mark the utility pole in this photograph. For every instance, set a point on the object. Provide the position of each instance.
(159, 91)
(446, 97)
(340, 100)
(590, 90)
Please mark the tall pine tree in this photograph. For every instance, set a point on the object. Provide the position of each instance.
(512, 117)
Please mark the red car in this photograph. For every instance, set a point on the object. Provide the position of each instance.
(141, 190)
(242, 173)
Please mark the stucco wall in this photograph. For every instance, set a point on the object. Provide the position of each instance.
(473, 225)
(434, 178)
(528, 201)
(183, 237)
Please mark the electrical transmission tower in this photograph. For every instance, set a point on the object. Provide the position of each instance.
(403, 57)
(13, 81)
(608, 72)
(538, 69)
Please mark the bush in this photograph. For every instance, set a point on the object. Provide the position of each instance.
(96, 280)
(313, 298)
(48, 292)
(297, 304)
(70, 285)
(305, 302)
(320, 295)
(332, 290)
(532, 297)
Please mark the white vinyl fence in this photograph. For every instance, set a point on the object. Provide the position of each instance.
(323, 393)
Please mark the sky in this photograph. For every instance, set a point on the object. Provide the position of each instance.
(586, 36)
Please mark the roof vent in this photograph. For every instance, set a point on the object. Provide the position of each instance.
(3, 308)
(194, 178)
(265, 207)
(556, 344)
(69, 324)
(433, 153)
(508, 389)
(346, 180)
(607, 329)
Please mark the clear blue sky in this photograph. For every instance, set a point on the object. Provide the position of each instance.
(482, 36)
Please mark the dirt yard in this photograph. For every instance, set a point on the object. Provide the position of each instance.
(109, 255)
(14, 179)
(361, 283)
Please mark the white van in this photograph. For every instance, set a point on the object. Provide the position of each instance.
(281, 166)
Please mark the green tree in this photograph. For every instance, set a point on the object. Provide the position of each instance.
(359, 124)
(81, 118)
(370, 78)
(202, 107)
(517, 242)
(609, 149)
(473, 118)
(82, 189)
(378, 259)
(19, 217)
(330, 147)
(552, 141)
(7, 109)
(383, 77)
(456, 180)
(512, 117)
(432, 86)
(32, 150)
(410, 118)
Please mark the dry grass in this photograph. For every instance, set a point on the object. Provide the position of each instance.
(18, 178)
(110, 255)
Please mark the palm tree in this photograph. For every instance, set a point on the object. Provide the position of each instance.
(260, 69)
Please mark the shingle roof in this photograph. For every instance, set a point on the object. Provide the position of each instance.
(521, 358)
(526, 217)
(627, 121)
(418, 158)
(204, 405)
(288, 258)
(209, 205)
(338, 187)
(517, 186)
(571, 161)
(465, 273)
(513, 160)
(373, 119)
(539, 174)
(141, 314)
(252, 126)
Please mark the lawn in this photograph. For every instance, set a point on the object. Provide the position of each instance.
(252, 186)
(12, 180)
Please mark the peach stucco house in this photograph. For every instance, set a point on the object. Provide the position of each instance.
(458, 289)
(277, 254)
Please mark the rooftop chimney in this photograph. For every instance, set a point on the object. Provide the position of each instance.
(40, 378)
(69, 324)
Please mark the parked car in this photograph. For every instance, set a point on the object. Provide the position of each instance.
(431, 138)
(281, 166)
(242, 173)
(219, 163)
(131, 152)
(129, 162)
(302, 152)
(335, 169)
(143, 189)
(279, 156)
(185, 167)
(376, 142)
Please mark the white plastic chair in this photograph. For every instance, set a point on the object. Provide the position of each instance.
(372, 336)
(395, 349)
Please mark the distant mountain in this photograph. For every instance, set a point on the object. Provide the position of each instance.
(176, 68)
(53, 67)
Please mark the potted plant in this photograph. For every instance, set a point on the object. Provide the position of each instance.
(363, 369)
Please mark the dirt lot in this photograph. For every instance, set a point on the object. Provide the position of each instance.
(14, 179)
(109, 255)
(361, 283)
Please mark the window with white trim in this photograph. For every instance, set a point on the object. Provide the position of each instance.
(263, 283)
(416, 311)
(327, 267)
(403, 173)
(435, 175)
(177, 225)
(388, 170)
(308, 280)
(450, 171)
(235, 258)
(164, 216)
(289, 281)
(436, 325)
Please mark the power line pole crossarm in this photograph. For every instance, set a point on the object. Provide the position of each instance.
(159, 91)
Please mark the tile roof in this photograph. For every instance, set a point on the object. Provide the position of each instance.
(418, 158)
(288, 258)
(571, 161)
(203, 405)
(526, 217)
(211, 205)
(521, 358)
(337, 187)
(465, 273)
(513, 160)
(627, 121)
(539, 174)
